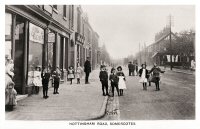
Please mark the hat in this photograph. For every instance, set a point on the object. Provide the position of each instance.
(143, 64)
(119, 67)
(112, 69)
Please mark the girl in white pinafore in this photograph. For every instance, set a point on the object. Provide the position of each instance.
(121, 84)
(143, 73)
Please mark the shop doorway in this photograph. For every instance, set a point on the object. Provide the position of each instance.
(19, 38)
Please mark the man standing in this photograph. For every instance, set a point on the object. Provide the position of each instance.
(87, 70)
(130, 66)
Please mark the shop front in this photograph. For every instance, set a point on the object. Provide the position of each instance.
(32, 41)
(80, 41)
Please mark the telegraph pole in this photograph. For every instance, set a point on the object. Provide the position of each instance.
(170, 40)
(145, 53)
(140, 54)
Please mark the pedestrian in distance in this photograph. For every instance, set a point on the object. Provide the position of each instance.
(103, 76)
(143, 74)
(130, 68)
(45, 81)
(87, 70)
(122, 79)
(136, 68)
(133, 69)
(56, 75)
(79, 72)
(156, 76)
(70, 73)
(114, 80)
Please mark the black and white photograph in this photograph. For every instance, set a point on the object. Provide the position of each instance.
(100, 64)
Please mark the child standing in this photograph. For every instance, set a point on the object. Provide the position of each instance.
(103, 75)
(122, 84)
(143, 73)
(70, 74)
(156, 76)
(114, 81)
(45, 82)
(79, 72)
(56, 75)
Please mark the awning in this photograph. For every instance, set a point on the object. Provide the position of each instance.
(154, 54)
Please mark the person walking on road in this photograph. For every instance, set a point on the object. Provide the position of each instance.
(156, 76)
(143, 73)
(56, 75)
(114, 80)
(103, 76)
(121, 84)
(87, 70)
(45, 82)
(70, 73)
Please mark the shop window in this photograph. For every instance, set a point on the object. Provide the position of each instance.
(36, 41)
(8, 26)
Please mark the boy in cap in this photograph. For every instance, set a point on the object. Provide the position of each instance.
(114, 81)
(103, 76)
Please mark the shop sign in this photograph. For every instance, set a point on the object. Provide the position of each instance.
(51, 37)
(79, 38)
(36, 34)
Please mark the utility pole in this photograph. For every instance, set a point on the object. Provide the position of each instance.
(145, 53)
(140, 54)
(170, 40)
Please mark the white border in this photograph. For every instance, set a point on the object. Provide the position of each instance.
(164, 124)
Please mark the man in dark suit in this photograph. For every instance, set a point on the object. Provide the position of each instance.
(87, 70)
(130, 68)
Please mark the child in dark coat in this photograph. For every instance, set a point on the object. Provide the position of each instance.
(45, 82)
(103, 76)
(114, 81)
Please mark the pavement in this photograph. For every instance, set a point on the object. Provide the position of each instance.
(185, 71)
(74, 102)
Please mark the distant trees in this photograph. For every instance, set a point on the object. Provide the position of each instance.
(105, 57)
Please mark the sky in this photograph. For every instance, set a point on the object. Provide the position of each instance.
(123, 27)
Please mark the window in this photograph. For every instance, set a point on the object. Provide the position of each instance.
(64, 10)
(8, 44)
(55, 7)
(72, 16)
(79, 22)
(36, 41)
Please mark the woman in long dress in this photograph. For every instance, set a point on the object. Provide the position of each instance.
(10, 92)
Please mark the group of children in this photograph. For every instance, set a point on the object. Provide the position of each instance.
(145, 77)
(117, 80)
(71, 74)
